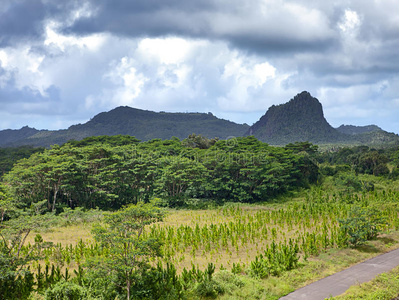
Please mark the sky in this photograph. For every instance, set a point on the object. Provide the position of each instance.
(62, 62)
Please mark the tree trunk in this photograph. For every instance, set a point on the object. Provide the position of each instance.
(56, 189)
(54, 198)
(128, 288)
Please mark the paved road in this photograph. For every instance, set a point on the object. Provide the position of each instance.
(338, 283)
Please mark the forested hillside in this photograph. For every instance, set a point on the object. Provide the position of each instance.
(351, 129)
(299, 120)
(10, 137)
(143, 124)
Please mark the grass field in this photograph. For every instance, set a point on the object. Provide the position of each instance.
(233, 235)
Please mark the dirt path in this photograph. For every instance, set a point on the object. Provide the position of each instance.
(338, 283)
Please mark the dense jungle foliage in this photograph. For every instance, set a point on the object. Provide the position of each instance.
(111, 172)
(9, 156)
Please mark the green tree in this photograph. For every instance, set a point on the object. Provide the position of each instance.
(27, 180)
(373, 163)
(129, 251)
(181, 175)
(16, 280)
(199, 141)
(9, 156)
(302, 147)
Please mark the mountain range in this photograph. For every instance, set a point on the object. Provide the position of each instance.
(300, 119)
(143, 124)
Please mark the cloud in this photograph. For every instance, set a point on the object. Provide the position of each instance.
(260, 26)
(67, 60)
(154, 77)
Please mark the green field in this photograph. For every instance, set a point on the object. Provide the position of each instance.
(232, 236)
(321, 213)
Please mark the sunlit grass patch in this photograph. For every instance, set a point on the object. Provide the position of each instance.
(71, 234)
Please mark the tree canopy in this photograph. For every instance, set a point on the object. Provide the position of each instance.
(110, 172)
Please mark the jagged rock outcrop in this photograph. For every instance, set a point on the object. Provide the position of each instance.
(300, 119)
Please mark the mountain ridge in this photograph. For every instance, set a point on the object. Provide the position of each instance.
(352, 129)
(124, 120)
(300, 119)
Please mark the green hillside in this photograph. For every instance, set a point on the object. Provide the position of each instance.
(144, 125)
(302, 119)
(299, 120)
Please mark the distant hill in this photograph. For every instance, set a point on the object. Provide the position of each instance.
(302, 119)
(10, 136)
(351, 129)
(142, 124)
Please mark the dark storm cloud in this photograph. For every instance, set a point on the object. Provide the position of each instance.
(22, 101)
(20, 19)
(246, 25)
(146, 18)
(264, 27)
(24, 19)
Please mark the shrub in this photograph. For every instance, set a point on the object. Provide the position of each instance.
(276, 259)
(65, 290)
(361, 225)
(348, 181)
(228, 281)
(209, 288)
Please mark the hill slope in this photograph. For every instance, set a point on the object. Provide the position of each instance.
(10, 136)
(351, 129)
(301, 119)
(142, 124)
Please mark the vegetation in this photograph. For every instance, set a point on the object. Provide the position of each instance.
(129, 251)
(362, 224)
(9, 156)
(111, 174)
(190, 219)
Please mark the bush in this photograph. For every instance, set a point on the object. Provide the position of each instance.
(209, 288)
(275, 260)
(348, 181)
(161, 283)
(395, 173)
(65, 290)
(228, 281)
(361, 225)
(327, 170)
